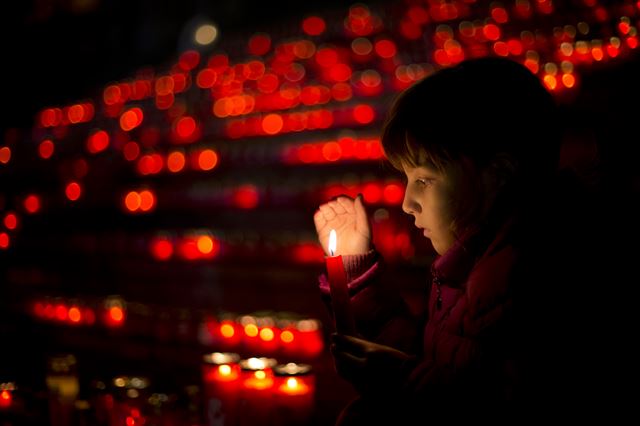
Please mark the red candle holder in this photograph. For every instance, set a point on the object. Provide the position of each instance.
(221, 378)
(294, 394)
(256, 392)
(6, 395)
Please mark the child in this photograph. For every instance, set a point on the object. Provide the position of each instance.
(478, 144)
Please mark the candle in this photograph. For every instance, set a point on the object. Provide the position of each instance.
(221, 376)
(6, 394)
(294, 394)
(257, 391)
(338, 288)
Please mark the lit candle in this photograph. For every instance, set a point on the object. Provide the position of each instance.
(257, 391)
(338, 288)
(221, 376)
(6, 394)
(294, 394)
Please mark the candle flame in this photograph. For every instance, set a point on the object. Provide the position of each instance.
(333, 242)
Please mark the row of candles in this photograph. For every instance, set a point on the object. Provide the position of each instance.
(232, 391)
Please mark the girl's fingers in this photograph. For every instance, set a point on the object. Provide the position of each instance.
(337, 207)
(328, 212)
(346, 203)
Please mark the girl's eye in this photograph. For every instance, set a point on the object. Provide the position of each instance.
(423, 182)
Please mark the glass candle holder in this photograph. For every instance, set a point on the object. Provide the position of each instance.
(294, 394)
(221, 380)
(256, 402)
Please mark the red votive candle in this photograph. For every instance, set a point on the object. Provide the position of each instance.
(221, 377)
(6, 394)
(338, 288)
(294, 394)
(257, 391)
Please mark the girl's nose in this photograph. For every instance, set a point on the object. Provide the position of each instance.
(409, 206)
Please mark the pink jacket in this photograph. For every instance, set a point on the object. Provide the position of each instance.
(464, 347)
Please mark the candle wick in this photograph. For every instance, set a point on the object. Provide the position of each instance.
(331, 252)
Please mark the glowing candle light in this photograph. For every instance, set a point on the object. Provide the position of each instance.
(338, 288)
(221, 377)
(294, 394)
(6, 395)
(257, 391)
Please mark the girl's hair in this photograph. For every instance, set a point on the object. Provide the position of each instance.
(480, 109)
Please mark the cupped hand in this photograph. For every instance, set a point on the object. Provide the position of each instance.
(370, 367)
(348, 217)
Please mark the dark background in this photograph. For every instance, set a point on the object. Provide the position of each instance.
(59, 52)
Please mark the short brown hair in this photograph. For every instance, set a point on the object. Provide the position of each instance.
(478, 109)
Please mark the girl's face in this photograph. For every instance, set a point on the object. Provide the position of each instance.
(433, 197)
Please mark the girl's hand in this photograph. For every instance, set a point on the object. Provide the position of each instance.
(370, 367)
(349, 219)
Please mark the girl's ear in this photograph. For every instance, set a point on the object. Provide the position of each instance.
(500, 171)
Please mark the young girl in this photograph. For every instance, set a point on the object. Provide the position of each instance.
(478, 144)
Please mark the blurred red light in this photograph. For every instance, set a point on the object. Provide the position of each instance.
(206, 78)
(272, 124)
(162, 249)
(131, 151)
(5, 154)
(175, 161)
(4, 240)
(259, 44)
(207, 159)
(147, 200)
(385, 48)
(313, 25)
(75, 315)
(73, 191)
(98, 141)
(363, 114)
(185, 127)
(61, 312)
(326, 57)
(131, 119)
(132, 201)
(11, 221)
(393, 193)
(45, 149)
(189, 60)
(32, 203)
(246, 197)
(116, 315)
(491, 32)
